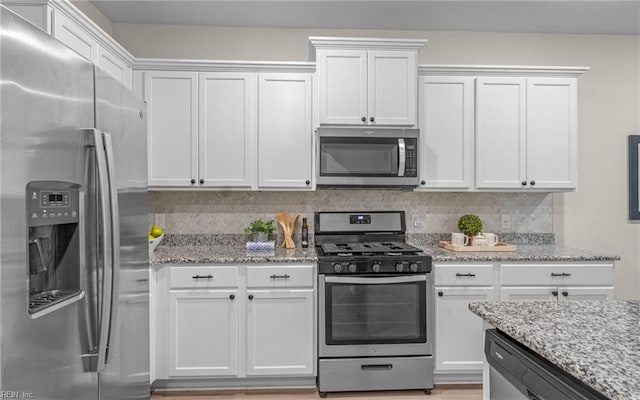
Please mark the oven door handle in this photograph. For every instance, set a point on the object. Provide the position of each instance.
(376, 280)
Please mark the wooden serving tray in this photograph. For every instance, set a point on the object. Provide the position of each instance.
(500, 246)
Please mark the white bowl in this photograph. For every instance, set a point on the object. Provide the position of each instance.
(153, 243)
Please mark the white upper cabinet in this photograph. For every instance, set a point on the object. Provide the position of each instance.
(446, 132)
(391, 88)
(172, 123)
(552, 133)
(284, 131)
(500, 133)
(342, 87)
(75, 37)
(65, 22)
(366, 81)
(227, 129)
(526, 133)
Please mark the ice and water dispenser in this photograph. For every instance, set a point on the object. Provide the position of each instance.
(54, 253)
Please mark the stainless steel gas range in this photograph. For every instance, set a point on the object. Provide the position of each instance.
(375, 304)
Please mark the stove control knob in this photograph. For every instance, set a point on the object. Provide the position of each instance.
(337, 267)
(352, 267)
(399, 267)
(413, 267)
(375, 267)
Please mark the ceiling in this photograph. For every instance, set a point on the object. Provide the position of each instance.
(550, 16)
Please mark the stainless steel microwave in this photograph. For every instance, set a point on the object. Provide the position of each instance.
(357, 157)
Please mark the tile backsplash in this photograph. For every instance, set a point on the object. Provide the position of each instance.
(216, 212)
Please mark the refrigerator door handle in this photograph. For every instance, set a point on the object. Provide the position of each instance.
(115, 245)
(107, 253)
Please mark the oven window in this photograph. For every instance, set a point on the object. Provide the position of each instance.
(358, 157)
(375, 313)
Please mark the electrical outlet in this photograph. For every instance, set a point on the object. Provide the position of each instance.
(159, 220)
(416, 221)
(506, 221)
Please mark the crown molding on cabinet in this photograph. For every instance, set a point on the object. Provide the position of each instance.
(348, 43)
(103, 38)
(500, 70)
(163, 64)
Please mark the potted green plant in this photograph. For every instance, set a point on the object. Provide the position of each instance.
(260, 230)
(470, 225)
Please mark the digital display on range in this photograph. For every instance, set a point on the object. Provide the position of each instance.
(359, 219)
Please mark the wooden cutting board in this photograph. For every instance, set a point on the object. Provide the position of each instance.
(500, 246)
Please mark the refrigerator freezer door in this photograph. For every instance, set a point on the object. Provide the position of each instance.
(121, 115)
(46, 95)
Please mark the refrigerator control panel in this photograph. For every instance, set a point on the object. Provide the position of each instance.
(52, 203)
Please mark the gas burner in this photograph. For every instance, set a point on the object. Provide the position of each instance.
(378, 247)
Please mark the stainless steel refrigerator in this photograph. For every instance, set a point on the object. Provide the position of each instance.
(74, 304)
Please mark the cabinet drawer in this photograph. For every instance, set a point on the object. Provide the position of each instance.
(280, 276)
(464, 275)
(556, 274)
(203, 277)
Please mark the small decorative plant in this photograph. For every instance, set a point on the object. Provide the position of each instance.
(260, 230)
(470, 225)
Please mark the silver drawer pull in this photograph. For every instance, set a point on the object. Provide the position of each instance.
(285, 276)
(385, 367)
(553, 274)
(470, 275)
(203, 277)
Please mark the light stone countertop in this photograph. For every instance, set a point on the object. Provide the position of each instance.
(598, 342)
(200, 249)
(229, 254)
(533, 253)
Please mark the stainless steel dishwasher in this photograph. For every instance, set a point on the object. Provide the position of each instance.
(516, 373)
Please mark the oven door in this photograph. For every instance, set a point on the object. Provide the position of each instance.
(375, 315)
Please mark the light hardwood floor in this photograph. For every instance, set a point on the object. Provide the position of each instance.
(470, 392)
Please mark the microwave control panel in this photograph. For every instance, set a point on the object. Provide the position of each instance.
(411, 163)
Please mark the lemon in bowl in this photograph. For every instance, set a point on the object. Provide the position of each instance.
(155, 237)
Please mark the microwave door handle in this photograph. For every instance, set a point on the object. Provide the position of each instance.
(115, 246)
(402, 157)
(107, 254)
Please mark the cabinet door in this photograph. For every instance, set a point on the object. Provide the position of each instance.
(203, 333)
(227, 130)
(284, 131)
(342, 86)
(391, 88)
(280, 332)
(75, 37)
(37, 14)
(114, 66)
(585, 293)
(459, 333)
(500, 133)
(172, 118)
(552, 133)
(446, 132)
(542, 293)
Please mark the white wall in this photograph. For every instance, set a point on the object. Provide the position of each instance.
(594, 217)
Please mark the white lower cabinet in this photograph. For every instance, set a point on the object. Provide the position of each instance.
(234, 322)
(203, 332)
(556, 281)
(459, 334)
(459, 341)
(280, 332)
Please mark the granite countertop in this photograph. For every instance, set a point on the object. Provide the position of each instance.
(212, 254)
(230, 248)
(598, 342)
(528, 252)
